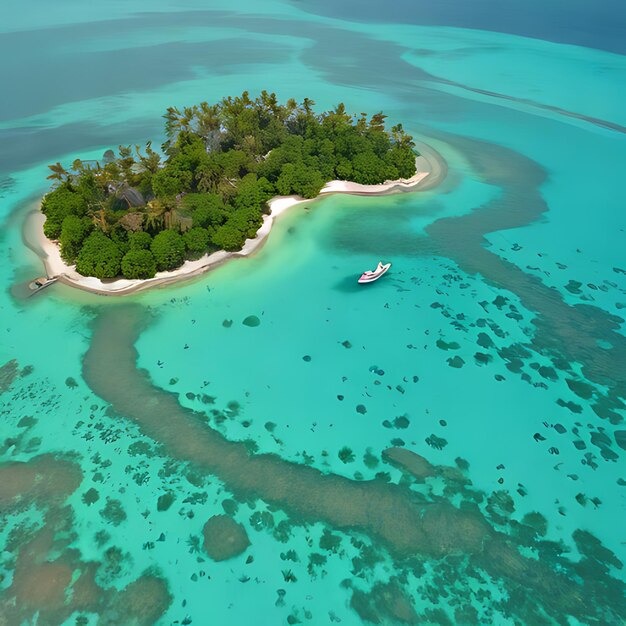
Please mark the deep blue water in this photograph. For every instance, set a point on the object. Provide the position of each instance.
(591, 24)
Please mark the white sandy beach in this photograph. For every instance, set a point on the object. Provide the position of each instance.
(427, 166)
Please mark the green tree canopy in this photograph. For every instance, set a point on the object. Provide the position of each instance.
(370, 169)
(247, 220)
(300, 180)
(168, 249)
(196, 242)
(207, 209)
(99, 257)
(170, 181)
(59, 204)
(253, 192)
(140, 240)
(403, 159)
(138, 263)
(73, 232)
(229, 237)
(220, 165)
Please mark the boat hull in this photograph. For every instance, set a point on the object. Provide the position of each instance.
(373, 277)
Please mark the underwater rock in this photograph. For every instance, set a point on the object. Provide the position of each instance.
(142, 602)
(456, 362)
(580, 388)
(8, 373)
(408, 461)
(165, 501)
(442, 345)
(620, 438)
(573, 286)
(224, 538)
(438, 443)
(484, 341)
(482, 358)
(384, 604)
(252, 321)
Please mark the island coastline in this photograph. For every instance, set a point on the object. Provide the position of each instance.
(431, 169)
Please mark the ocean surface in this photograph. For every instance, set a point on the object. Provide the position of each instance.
(267, 390)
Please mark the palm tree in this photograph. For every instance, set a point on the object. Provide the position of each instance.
(187, 118)
(208, 177)
(155, 212)
(175, 219)
(126, 162)
(106, 175)
(290, 108)
(151, 162)
(59, 173)
(378, 121)
(307, 105)
(361, 123)
(400, 138)
(173, 119)
(99, 217)
(250, 145)
(269, 101)
(208, 125)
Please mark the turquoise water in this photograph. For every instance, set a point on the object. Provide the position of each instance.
(494, 349)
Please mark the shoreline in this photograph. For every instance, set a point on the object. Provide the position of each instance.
(431, 169)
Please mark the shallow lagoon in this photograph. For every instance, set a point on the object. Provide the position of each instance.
(448, 357)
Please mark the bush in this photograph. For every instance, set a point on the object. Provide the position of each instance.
(299, 179)
(51, 229)
(138, 263)
(370, 169)
(59, 204)
(209, 218)
(119, 235)
(139, 240)
(169, 182)
(99, 257)
(229, 237)
(253, 192)
(403, 159)
(196, 242)
(194, 201)
(168, 249)
(247, 221)
(343, 170)
(74, 231)
(207, 209)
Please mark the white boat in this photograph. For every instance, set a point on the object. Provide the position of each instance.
(371, 276)
(40, 283)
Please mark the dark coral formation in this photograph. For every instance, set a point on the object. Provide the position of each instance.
(224, 538)
(462, 540)
(50, 580)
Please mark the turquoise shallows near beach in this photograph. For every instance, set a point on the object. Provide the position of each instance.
(494, 348)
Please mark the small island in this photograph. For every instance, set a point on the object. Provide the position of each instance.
(143, 212)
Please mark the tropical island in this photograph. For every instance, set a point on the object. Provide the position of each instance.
(143, 211)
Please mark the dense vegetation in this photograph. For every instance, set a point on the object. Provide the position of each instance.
(142, 211)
